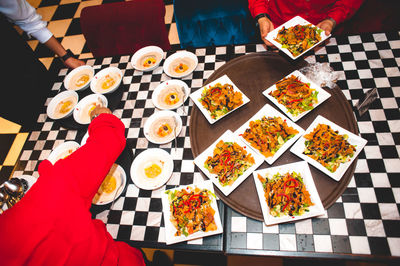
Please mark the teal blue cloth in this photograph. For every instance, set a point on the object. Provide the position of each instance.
(204, 23)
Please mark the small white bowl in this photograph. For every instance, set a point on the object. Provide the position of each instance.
(75, 73)
(147, 51)
(51, 108)
(145, 159)
(118, 172)
(179, 56)
(102, 74)
(169, 115)
(163, 86)
(62, 151)
(82, 109)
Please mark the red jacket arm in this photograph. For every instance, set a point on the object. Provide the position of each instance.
(90, 163)
(344, 9)
(257, 6)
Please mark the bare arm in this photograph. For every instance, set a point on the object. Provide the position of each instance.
(266, 26)
(59, 50)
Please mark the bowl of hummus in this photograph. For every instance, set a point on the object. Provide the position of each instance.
(148, 58)
(170, 94)
(62, 105)
(152, 168)
(85, 106)
(111, 187)
(107, 80)
(162, 127)
(180, 64)
(79, 78)
(62, 151)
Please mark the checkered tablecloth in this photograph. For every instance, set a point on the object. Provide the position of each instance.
(365, 220)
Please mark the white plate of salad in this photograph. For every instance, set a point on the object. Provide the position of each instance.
(228, 162)
(328, 147)
(287, 193)
(212, 101)
(296, 95)
(182, 203)
(269, 133)
(296, 36)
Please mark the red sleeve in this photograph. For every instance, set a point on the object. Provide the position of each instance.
(257, 6)
(344, 9)
(90, 163)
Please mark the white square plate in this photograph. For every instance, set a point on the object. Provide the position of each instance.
(228, 136)
(301, 168)
(353, 139)
(195, 96)
(269, 111)
(322, 95)
(291, 23)
(170, 229)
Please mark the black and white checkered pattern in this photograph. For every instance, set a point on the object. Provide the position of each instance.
(365, 220)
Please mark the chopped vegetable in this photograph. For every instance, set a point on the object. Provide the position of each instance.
(299, 38)
(220, 99)
(229, 161)
(286, 194)
(328, 147)
(191, 210)
(268, 134)
(295, 95)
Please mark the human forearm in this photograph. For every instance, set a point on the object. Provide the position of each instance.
(54, 45)
(91, 162)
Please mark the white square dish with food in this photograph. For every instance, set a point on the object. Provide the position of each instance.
(358, 143)
(197, 95)
(268, 111)
(291, 23)
(321, 96)
(297, 182)
(180, 203)
(241, 168)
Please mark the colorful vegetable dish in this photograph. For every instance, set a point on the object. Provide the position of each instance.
(268, 134)
(299, 38)
(295, 95)
(220, 99)
(328, 147)
(286, 194)
(191, 210)
(229, 161)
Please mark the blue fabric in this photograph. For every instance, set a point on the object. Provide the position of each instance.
(203, 23)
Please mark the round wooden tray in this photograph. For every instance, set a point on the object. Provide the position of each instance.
(252, 74)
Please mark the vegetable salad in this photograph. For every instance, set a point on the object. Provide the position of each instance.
(229, 161)
(191, 210)
(328, 147)
(286, 194)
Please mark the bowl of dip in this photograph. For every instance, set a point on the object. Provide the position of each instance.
(79, 78)
(170, 94)
(107, 80)
(85, 106)
(148, 58)
(62, 151)
(62, 105)
(180, 64)
(111, 187)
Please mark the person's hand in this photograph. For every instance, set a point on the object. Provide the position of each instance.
(266, 26)
(327, 25)
(73, 63)
(99, 110)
